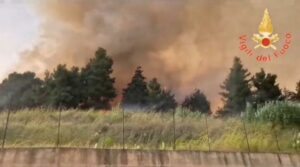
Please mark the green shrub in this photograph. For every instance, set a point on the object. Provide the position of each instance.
(280, 112)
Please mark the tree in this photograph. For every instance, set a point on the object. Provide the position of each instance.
(288, 95)
(98, 84)
(20, 91)
(167, 102)
(197, 101)
(63, 87)
(155, 91)
(158, 99)
(298, 91)
(291, 95)
(236, 88)
(266, 88)
(136, 92)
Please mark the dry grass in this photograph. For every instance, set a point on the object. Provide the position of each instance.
(38, 128)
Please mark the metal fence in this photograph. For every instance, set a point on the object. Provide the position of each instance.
(175, 133)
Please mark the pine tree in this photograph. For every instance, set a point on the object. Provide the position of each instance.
(236, 88)
(167, 102)
(136, 93)
(266, 88)
(62, 87)
(155, 92)
(158, 99)
(98, 85)
(197, 101)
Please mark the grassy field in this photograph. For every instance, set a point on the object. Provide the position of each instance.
(103, 129)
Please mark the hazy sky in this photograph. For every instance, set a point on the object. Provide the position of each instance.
(18, 30)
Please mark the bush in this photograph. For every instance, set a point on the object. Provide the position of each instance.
(280, 112)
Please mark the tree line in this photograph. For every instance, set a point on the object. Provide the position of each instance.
(93, 87)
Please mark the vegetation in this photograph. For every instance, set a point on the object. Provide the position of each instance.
(89, 87)
(271, 125)
(24, 86)
(265, 87)
(159, 99)
(279, 113)
(92, 87)
(136, 93)
(142, 95)
(236, 88)
(197, 101)
(98, 85)
(298, 91)
(62, 88)
(143, 130)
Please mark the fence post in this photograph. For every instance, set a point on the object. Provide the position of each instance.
(246, 135)
(5, 130)
(207, 133)
(123, 130)
(58, 129)
(277, 142)
(174, 130)
(295, 138)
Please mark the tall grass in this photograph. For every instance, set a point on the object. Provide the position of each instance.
(282, 113)
(143, 130)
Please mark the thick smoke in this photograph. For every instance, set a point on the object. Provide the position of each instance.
(187, 44)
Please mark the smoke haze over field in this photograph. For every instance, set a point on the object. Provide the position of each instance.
(186, 44)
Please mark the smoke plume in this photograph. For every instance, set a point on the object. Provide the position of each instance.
(186, 44)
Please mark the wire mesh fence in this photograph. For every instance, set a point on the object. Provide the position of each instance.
(147, 131)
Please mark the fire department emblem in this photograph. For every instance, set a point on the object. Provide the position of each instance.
(265, 38)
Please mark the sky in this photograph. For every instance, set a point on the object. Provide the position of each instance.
(18, 31)
(186, 44)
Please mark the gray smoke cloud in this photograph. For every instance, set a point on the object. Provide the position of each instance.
(186, 44)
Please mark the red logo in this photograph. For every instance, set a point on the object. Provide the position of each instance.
(265, 41)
